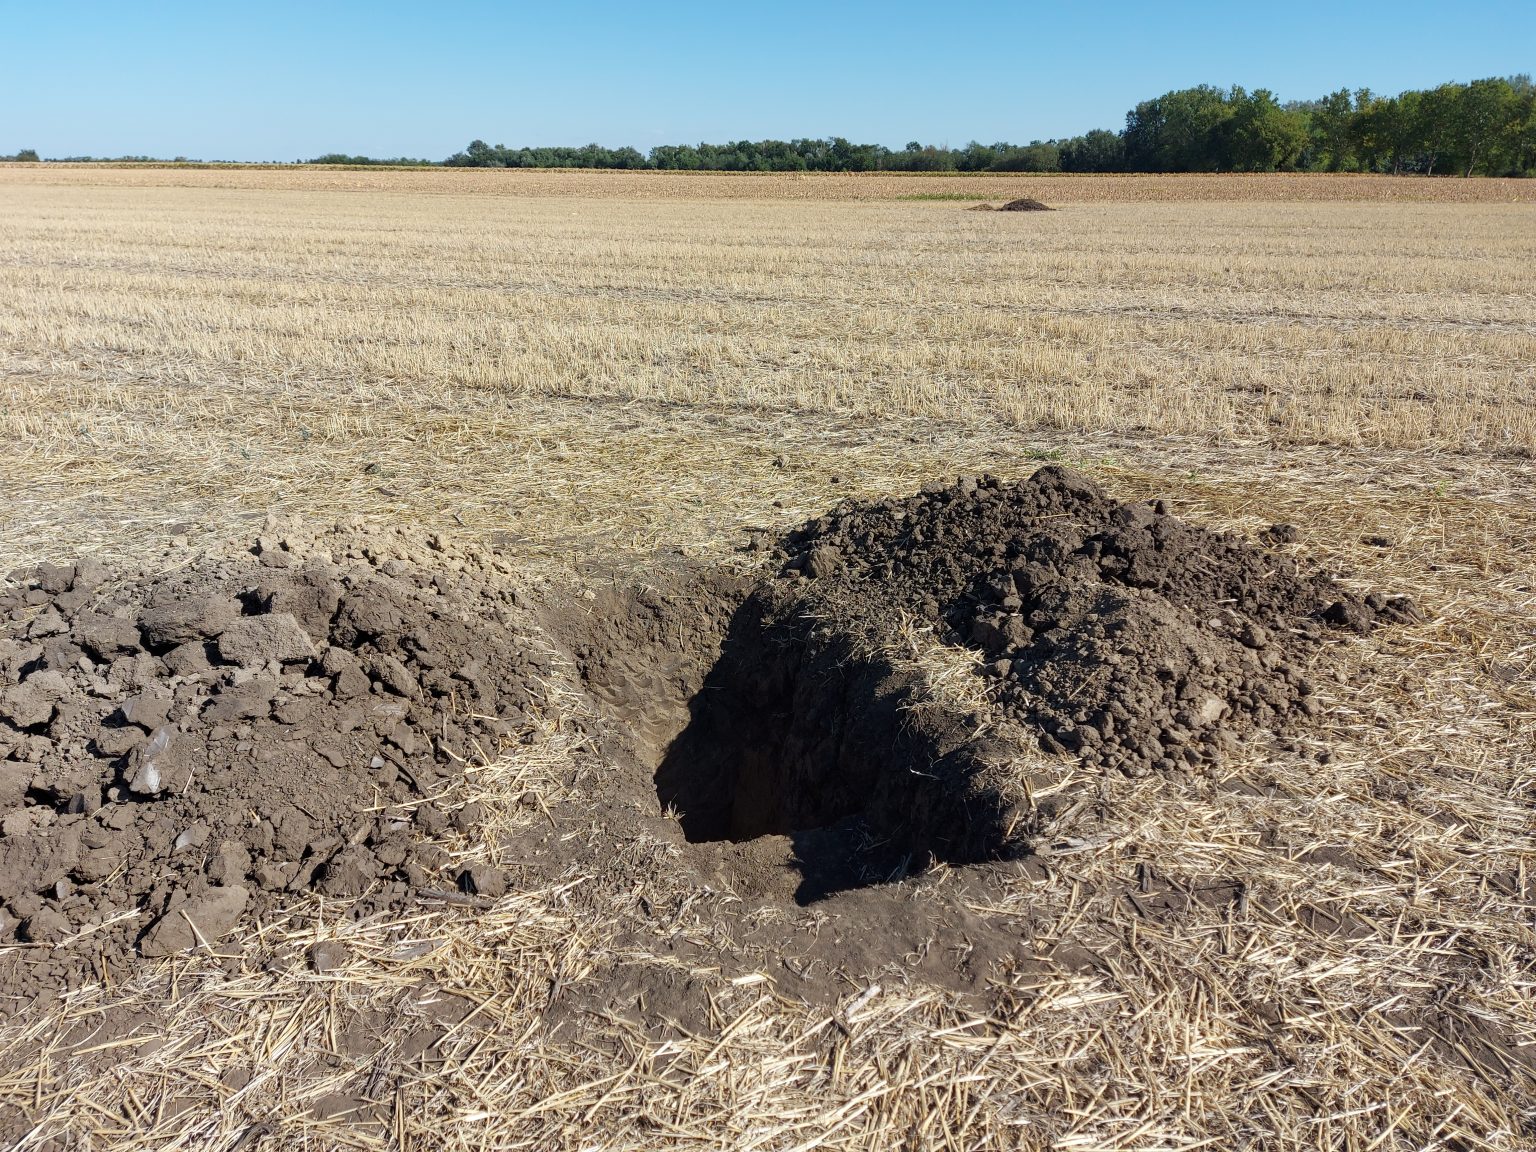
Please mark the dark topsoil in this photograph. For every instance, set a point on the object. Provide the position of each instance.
(1121, 632)
(180, 753)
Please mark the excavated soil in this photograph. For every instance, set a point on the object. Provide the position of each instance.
(1026, 205)
(183, 753)
(1122, 633)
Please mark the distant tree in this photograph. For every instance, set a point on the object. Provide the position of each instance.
(917, 158)
(1095, 151)
(1434, 122)
(1522, 132)
(1176, 131)
(1037, 156)
(849, 157)
(479, 154)
(1368, 137)
(343, 158)
(1483, 117)
(1332, 124)
(1393, 126)
(1488, 126)
(1259, 135)
(674, 157)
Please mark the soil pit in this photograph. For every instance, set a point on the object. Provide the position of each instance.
(757, 722)
(1112, 631)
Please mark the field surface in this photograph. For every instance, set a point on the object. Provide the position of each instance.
(605, 368)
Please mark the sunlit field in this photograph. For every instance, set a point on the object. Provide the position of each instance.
(608, 367)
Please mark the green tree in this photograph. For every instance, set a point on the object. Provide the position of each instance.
(1095, 151)
(1259, 135)
(1434, 122)
(976, 156)
(1402, 124)
(1037, 156)
(1483, 119)
(1177, 131)
(1332, 125)
(1363, 145)
(916, 158)
(1522, 132)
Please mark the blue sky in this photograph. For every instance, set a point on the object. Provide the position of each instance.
(279, 81)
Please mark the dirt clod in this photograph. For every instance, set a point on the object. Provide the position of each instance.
(200, 921)
(328, 955)
(483, 880)
(253, 641)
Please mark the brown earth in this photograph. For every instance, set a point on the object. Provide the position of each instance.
(1025, 204)
(182, 753)
(587, 184)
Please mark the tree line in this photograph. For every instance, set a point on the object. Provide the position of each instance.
(1485, 127)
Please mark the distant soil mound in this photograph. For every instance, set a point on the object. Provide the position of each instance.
(1025, 205)
(981, 208)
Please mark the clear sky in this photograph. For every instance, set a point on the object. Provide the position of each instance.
(276, 80)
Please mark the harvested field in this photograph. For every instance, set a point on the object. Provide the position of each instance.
(539, 681)
(583, 185)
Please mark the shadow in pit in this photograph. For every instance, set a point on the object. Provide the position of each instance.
(795, 732)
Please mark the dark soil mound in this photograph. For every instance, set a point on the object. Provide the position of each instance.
(1122, 632)
(179, 752)
(1025, 205)
(981, 208)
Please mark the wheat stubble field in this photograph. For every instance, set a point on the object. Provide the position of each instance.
(601, 368)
